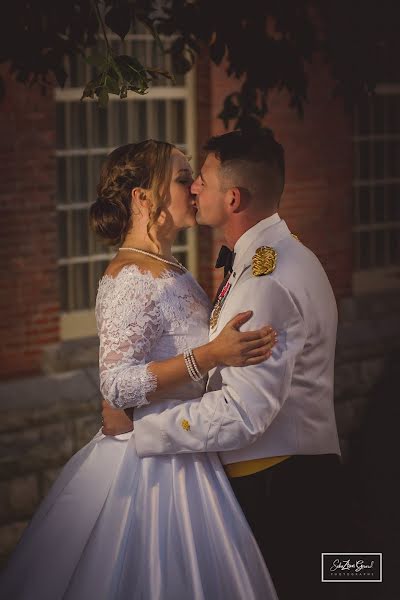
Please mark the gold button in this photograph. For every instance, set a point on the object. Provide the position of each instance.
(185, 424)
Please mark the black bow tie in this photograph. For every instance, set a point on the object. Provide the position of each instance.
(225, 259)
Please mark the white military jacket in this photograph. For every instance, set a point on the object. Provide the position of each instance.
(283, 406)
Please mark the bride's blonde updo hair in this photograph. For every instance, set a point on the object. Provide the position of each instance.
(145, 165)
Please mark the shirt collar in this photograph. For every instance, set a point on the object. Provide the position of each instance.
(246, 240)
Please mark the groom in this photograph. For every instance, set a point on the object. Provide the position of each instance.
(273, 424)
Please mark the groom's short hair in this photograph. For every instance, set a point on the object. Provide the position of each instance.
(250, 159)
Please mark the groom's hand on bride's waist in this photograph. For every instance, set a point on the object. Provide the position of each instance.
(116, 421)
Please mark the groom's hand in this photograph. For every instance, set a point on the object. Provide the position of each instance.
(116, 421)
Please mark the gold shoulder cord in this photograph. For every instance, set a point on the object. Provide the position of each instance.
(264, 261)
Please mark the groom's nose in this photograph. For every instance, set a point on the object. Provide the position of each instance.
(195, 187)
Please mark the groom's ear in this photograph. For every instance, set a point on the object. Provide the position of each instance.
(236, 199)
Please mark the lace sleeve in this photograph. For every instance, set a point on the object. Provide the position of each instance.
(129, 323)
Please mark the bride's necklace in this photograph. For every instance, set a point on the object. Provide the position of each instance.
(156, 257)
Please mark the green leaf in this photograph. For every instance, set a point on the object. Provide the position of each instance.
(118, 19)
(112, 85)
(88, 91)
(156, 72)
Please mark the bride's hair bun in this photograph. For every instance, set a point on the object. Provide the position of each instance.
(144, 165)
(110, 219)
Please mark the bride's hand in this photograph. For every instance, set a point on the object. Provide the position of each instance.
(234, 348)
(116, 421)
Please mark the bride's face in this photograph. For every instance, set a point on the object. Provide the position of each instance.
(181, 209)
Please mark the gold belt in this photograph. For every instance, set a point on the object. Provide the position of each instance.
(249, 467)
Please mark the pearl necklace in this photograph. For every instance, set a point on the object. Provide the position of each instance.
(156, 257)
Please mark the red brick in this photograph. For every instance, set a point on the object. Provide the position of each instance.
(319, 168)
(28, 228)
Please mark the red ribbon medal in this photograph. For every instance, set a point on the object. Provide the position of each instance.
(219, 304)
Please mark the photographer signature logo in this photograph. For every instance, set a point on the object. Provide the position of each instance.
(351, 566)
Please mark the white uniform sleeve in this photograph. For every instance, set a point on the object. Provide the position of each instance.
(250, 398)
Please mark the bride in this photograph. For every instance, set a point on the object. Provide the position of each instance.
(114, 526)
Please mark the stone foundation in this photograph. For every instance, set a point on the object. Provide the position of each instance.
(43, 421)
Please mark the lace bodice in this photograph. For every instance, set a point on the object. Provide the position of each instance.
(140, 319)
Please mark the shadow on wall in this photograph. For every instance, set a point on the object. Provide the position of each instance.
(373, 476)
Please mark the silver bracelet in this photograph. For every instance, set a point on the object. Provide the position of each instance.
(191, 365)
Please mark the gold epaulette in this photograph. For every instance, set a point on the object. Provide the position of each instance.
(264, 261)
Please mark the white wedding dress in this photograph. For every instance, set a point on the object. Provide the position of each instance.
(118, 527)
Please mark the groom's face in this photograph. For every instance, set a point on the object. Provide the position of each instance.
(210, 198)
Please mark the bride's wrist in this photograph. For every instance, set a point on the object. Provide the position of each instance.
(205, 357)
(211, 352)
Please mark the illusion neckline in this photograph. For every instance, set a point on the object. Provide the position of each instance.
(166, 274)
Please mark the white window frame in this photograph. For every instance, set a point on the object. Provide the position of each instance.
(383, 278)
(81, 323)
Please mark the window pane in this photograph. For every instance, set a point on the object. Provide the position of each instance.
(140, 133)
(394, 247)
(161, 120)
(379, 203)
(78, 183)
(379, 160)
(393, 203)
(363, 117)
(78, 137)
(61, 180)
(95, 163)
(356, 250)
(99, 126)
(393, 154)
(365, 250)
(63, 283)
(393, 114)
(379, 114)
(62, 233)
(364, 160)
(139, 49)
(364, 206)
(79, 233)
(76, 72)
(61, 141)
(120, 120)
(178, 112)
(380, 248)
(80, 278)
(158, 59)
(355, 209)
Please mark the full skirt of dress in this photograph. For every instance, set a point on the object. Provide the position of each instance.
(118, 527)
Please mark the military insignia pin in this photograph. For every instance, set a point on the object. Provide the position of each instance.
(264, 261)
(185, 425)
(218, 305)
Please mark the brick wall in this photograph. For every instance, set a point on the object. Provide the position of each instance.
(28, 244)
(206, 258)
(319, 170)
